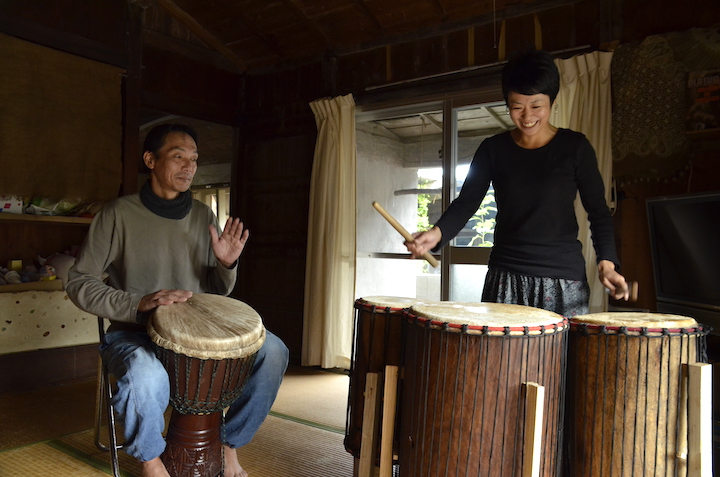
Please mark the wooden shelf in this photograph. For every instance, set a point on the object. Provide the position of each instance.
(57, 219)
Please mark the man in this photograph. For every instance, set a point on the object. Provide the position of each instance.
(158, 247)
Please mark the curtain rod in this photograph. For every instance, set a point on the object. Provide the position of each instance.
(466, 69)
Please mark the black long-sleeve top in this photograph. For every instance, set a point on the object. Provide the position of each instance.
(535, 227)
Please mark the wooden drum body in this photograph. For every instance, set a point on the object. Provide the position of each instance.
(377, 343)
(627, 404)
(208, 347)
(463, 402)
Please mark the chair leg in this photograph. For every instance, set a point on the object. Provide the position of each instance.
(103, 403)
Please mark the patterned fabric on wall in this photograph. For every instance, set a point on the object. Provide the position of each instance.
(650, 101)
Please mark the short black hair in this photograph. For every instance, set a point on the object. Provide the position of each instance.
(531, 72)
(155, 139)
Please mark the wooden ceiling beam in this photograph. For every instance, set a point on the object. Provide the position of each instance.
(364, 8)
(198, 30)
(308, 22)
(440, 9)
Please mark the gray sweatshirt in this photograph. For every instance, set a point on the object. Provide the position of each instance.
(141, 253)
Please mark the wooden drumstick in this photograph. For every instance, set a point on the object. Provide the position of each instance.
(632, 287)
(427, 255)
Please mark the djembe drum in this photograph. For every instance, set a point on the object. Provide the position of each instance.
(464, 409)
(626, 398)
(208, 347)
(377, 342)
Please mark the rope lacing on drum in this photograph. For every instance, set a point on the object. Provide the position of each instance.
(526, 330)
(506, 330)
(464, 328)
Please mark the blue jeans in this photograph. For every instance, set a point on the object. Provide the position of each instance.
(143, 392)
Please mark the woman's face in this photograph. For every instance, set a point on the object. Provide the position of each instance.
(530, 113)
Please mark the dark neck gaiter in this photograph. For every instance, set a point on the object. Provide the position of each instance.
(170, 209)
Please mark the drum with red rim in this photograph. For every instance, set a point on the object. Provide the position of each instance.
(626, 397)
(377, 342)
(462, 394)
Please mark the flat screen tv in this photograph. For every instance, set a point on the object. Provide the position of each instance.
(685, 247)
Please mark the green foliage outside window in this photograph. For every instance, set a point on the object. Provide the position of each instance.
(485, 222)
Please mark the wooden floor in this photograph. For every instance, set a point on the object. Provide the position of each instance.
(49, 432)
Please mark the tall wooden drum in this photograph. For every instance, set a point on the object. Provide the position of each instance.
(208, 347)
(377, 342)
(626, 399)
(464, 409)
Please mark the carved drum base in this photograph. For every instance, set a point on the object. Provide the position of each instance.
(194, 446)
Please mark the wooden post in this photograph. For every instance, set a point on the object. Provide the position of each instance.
(700, 419)
(371, 414)
(532, 448)
(388, 420)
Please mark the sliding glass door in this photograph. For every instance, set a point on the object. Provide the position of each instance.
(413, 160)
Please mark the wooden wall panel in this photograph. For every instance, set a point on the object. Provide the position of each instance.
(273, 184)
(174, 84)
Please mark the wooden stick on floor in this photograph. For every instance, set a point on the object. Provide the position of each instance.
(371, 415)
(532, 448)
(700, 419)
(388, 421)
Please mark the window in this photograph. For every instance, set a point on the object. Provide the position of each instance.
(401, 164)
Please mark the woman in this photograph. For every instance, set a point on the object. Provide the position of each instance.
(537, 170)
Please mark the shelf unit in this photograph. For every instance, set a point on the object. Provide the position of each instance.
(55, 219)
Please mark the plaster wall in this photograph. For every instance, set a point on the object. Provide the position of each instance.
(32, 320)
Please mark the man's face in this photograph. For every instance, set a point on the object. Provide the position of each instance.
(173, 167)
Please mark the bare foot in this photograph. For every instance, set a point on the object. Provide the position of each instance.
(154, 468)
(232, 465)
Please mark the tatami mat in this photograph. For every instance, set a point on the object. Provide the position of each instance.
(43, 460)
(314, 395)
(302, 437)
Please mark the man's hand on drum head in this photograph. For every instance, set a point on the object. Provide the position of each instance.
(230, 244)
(163, 297)
(424, 241)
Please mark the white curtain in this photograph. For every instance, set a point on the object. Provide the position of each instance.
(330, 270)
(584, 105)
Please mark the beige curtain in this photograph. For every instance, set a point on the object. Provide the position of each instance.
(330, 270)
(584, 105)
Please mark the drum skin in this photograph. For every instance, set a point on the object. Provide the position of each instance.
(462, 394)
(377, 342)
(208, 347)
(626, 395)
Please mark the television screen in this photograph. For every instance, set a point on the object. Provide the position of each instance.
(685, 246)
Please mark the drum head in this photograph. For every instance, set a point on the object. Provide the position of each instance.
(397, 302)
(636, 320)
(489, 316)
(208, 327)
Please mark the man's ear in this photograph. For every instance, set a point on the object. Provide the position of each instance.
(149, 159)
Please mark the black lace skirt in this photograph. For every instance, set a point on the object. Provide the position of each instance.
(565, 297)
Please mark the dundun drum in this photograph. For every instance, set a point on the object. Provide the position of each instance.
(462, 394)
(208, 347)
(377, 343)
(626, 398)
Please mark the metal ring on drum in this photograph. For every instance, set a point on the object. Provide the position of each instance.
(627, 400)
(468, 371)
(208, 347)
